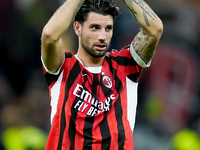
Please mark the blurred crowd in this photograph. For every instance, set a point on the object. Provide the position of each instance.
(168, 112)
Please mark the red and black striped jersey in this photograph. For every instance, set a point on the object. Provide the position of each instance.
(93, 109)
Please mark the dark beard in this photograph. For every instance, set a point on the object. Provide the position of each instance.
(90, 50)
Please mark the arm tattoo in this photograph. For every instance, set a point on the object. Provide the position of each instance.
(146, 19)
(140, 42)
(143, 44)
(142, 48)
(147, 12)
(145, 7)
(149, 54)
(130, 3)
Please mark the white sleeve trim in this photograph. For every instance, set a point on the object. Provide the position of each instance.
(138, 59)
(55, 93)
(50, 72)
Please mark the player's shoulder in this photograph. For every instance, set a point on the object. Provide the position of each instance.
(68, 54)
(116, 51)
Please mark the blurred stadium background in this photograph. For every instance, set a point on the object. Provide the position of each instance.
(168, 112)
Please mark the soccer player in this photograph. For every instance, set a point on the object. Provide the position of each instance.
(94, 92)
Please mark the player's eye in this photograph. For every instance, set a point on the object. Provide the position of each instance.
(95, 27)
(109, 28)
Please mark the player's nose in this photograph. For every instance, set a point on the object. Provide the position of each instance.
(102, 35)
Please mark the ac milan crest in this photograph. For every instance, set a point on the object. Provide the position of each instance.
(107, 81)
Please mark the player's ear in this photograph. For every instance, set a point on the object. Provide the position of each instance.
(77, 28)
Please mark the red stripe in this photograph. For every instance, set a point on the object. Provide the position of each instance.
(79, 137)
(113, 129)
(96, 133)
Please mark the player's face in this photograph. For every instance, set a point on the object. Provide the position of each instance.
(96, 34)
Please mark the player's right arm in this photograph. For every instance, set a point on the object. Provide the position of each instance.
(52, 48)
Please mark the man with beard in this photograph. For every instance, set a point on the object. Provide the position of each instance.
(94, 92)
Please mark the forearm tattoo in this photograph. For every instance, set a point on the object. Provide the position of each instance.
(146, 18)
(143, 43)
(140, 43)
(145, 7)
(147, 11)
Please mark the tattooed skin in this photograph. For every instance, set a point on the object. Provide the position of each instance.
(140, 45)
(146, 19)
(145, 7)
(143, 44)
(130, 3)
(147, 12)
(140, 42)
(149, 54)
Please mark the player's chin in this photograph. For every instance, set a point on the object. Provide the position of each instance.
(99, 54)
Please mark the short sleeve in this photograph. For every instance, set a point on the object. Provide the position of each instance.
(50, 72)
(138, 59)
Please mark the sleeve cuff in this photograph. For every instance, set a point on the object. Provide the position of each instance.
(50, 72)
(138, 59)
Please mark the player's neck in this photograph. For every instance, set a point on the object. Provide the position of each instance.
(88, 60)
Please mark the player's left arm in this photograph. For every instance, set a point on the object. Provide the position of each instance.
(146, 41)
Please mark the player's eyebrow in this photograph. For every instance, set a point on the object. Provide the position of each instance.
(97, 25)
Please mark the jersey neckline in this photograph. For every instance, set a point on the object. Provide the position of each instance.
(90, 69)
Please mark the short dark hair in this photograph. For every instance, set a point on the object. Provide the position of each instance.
(104, 7)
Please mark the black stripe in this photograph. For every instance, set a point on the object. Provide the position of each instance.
(87, 132)
(51, 78)
(72, 125)
(120, 126)
(118, 115)
(84, 77)
(89, 121)
(68, 55)
(118, 84)
(75, 71)
(105, 133)
(134, 77)
(124, 61)
(95, 84)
